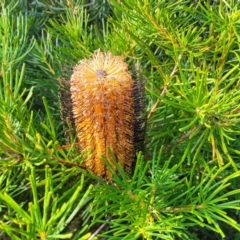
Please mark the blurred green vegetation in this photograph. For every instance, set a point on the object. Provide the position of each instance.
(186, 181)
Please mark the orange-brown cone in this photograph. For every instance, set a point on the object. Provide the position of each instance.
(102, 93)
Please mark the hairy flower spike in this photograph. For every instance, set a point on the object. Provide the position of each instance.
(103, 102)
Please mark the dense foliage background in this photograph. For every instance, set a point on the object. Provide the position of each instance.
(186, 181)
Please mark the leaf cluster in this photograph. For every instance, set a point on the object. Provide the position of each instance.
(164, 204)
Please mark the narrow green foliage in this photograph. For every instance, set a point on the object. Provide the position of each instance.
(192, 53)
(73, 35)
(164, 204)
(15, 42)
(48, 214)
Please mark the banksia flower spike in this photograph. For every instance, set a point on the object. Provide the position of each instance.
(106, 111)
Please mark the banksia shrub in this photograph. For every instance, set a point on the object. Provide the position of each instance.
(185, 185)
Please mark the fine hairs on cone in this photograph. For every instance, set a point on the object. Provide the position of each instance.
(107, 106)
